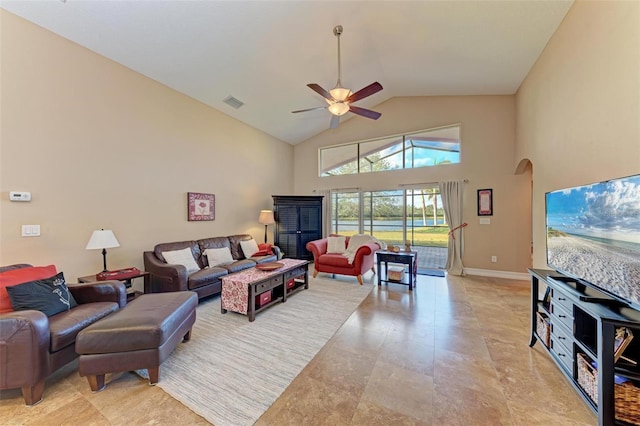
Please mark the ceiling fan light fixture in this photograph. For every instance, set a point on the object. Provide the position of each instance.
(338, 108)
(340, 93)
(339, 99)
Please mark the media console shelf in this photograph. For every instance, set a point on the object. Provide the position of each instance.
(581, 330)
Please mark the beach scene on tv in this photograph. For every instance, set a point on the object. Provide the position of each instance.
(593, 234)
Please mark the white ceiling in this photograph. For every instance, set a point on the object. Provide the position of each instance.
(265, 52)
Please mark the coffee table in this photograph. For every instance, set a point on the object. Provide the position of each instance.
(240, 290)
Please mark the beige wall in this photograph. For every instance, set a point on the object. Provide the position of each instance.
(100, 146)
(578, 110)
(488, 152)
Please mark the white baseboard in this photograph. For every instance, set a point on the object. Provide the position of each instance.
(497, 274)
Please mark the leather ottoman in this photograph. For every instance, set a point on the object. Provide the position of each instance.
(139, 336)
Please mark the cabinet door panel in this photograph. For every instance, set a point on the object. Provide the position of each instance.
(288, 243)
(309, 218)
(304, 239)
(287, 220)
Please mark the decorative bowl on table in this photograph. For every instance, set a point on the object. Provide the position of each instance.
(269, 266)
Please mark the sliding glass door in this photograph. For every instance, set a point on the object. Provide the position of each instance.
(383, 213)
(414, 216)
(426, 228)
(345, 213)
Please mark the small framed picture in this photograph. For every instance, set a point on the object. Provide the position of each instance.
(201, 206)
(485, 202)
(622, 339)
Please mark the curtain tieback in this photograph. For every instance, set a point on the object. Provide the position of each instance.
(456, 228)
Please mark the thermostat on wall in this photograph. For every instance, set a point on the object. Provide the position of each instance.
(19, 196)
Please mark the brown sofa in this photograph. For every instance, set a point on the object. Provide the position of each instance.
(206, 281)
(32, 345)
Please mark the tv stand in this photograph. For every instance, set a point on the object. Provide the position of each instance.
(576, 325)
(603, 301)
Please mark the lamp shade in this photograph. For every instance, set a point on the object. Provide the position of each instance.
(338, 108)
(339, 93)
(266, 217)
(102, 239)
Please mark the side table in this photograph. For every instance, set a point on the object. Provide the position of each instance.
(131, 292)
(409, 258)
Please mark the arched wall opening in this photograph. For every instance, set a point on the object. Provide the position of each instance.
(525, 166)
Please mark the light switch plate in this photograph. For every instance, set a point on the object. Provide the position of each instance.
(30, 230)
(485, 221)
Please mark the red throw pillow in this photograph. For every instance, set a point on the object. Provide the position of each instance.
(20, 276)
(264, 249)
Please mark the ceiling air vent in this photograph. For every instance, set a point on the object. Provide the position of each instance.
(233, 102)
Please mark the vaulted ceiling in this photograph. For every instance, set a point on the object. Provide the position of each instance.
(263, 53)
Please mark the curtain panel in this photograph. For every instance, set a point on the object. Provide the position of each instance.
(452, 193)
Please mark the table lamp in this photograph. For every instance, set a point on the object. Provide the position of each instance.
(102, 239)
(266, 218)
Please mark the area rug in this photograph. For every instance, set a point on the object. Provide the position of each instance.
(233, 370)
(431, 272)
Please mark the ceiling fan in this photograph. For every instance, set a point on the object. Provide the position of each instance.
(340, 98)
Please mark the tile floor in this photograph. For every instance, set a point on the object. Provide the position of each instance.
(452, 352)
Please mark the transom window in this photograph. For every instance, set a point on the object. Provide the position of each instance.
(426, 148)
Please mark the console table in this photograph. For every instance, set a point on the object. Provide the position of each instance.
(239, 290)
(409, 258)
(576, 323)
(131, 292)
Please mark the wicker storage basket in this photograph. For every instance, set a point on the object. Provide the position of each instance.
(396, 273)
(587, 377)
(542, 328)
(627, 396)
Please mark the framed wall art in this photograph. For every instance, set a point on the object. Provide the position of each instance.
(485, 202)
(201, 206)
(622, 339)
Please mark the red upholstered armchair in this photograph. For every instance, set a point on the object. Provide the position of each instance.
(335, 263)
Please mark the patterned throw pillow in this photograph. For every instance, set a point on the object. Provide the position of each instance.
(50, 296)
(21, 276)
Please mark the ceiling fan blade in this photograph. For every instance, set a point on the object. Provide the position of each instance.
(365, 112)
(308, 109)
(335, 120)
(363, 93)
(322, 92)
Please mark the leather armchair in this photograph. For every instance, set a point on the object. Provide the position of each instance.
(32, 345)
(338, 264)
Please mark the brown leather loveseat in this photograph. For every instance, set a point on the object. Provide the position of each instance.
(32, 345)
(205, 280)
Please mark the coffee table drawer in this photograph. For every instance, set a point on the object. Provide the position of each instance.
(295, 273)
(269, 284)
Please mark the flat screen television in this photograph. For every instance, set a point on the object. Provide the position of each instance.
(593, 236)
